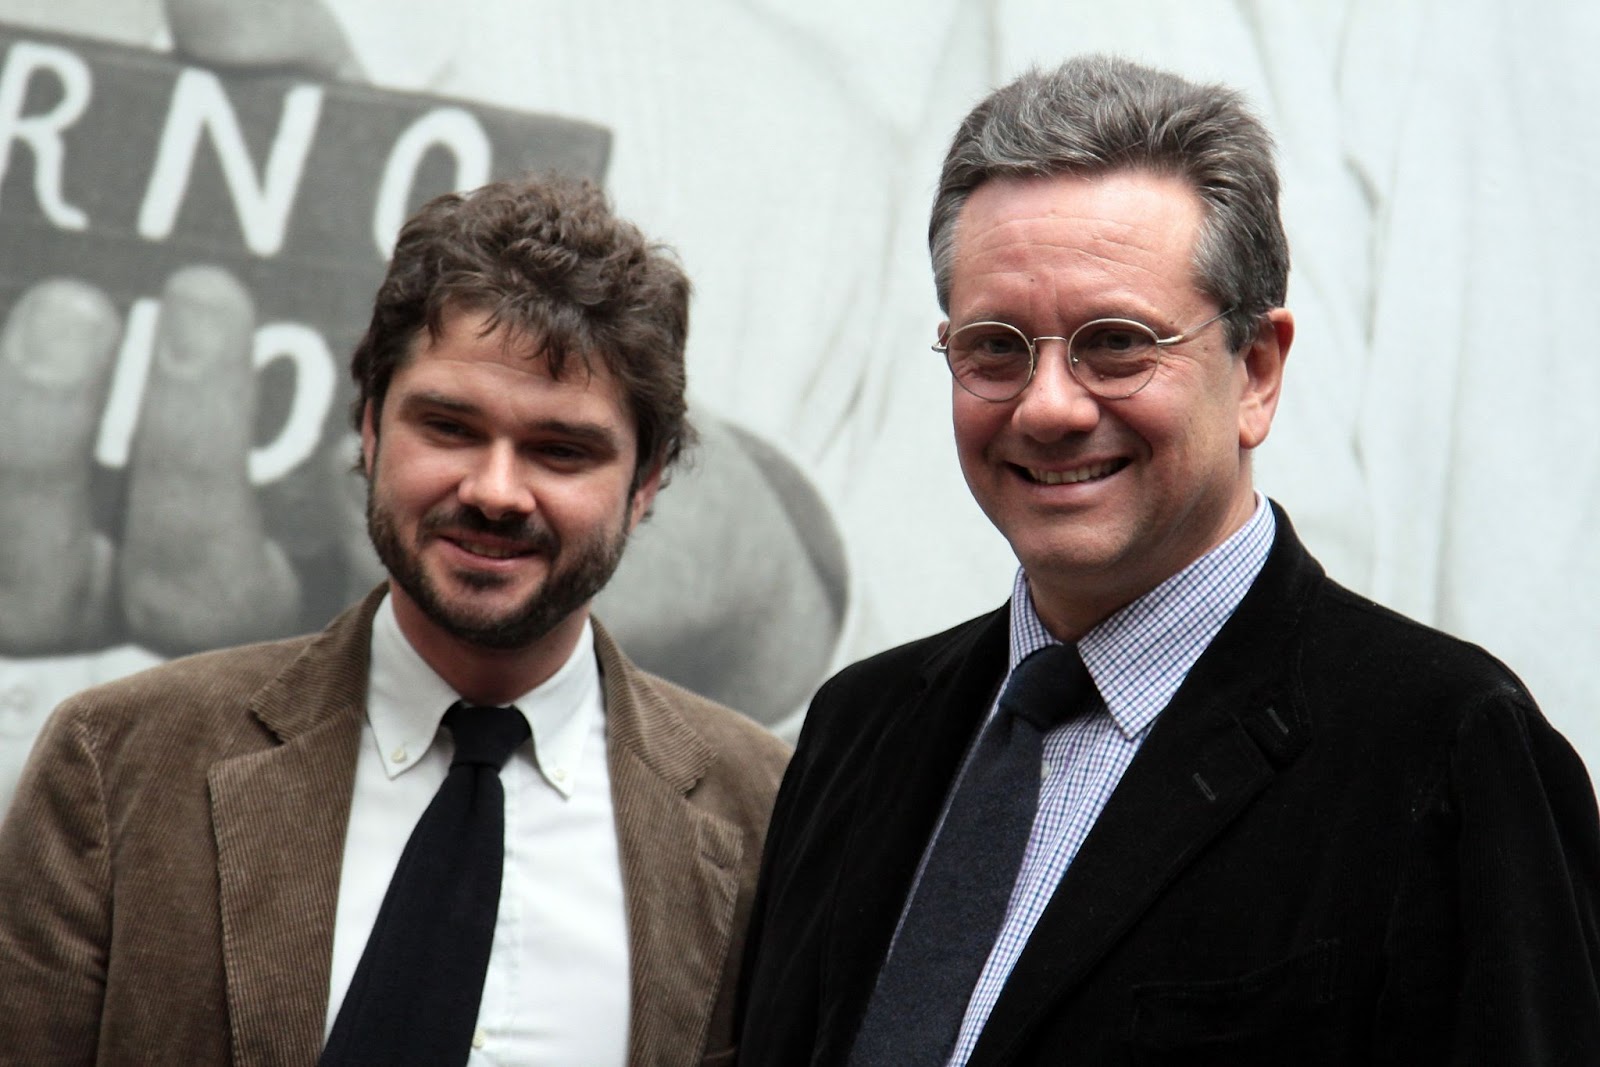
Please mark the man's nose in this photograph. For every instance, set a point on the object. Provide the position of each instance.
(497, 482)
(1054, 404)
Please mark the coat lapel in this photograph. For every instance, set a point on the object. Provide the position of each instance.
(1228, 730)
(903, 791)
(680, 866)
(279, 814)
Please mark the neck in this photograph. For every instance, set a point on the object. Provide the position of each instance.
(1070, 620)
(1073, 603)
(490, 676)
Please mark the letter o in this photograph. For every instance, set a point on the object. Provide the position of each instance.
(448, 127)
(314, 380)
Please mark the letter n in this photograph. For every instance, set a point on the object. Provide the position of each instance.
(199, 105)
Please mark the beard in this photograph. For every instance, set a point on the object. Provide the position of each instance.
(573, 579)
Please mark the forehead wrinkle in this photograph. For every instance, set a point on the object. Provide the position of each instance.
(1169, 210)
(1097, 240)
(1111, 270)
(1117, 289)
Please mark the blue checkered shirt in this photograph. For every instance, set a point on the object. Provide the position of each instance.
(1138, 658)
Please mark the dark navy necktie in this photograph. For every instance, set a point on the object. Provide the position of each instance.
(950, 926)
(414, 998)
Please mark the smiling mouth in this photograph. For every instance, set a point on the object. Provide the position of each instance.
(1091, 473)
(491, 551)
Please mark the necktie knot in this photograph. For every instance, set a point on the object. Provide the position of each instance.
(485, 736)
(1050, 686)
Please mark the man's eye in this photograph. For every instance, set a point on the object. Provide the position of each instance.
(563, 453)
(998, 344)
(444, 427)
(1113, 341)
(988, 344)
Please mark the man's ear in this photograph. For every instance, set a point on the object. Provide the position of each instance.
(369, 439)
(1263, 370)
(644, 496)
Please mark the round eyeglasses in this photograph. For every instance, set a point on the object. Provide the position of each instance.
(1111, 358)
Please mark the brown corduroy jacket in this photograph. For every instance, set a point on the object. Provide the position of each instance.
(170, 865)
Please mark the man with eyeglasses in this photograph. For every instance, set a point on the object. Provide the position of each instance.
(1183, 800)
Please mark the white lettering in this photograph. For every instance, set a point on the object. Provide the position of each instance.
(199, 104)
(314, 381)
(121, 415)
(43, 132)
(447, 127)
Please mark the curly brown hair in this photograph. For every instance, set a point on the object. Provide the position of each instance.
(543, 257)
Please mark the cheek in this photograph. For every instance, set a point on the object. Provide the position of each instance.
(582, 508)
(1188, 419)
(1203, 442)
(416, 476)
(974, 426)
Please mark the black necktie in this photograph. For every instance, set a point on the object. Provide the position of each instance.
(955, 915)
(414, 998)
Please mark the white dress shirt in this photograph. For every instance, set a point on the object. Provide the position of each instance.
(556, 991)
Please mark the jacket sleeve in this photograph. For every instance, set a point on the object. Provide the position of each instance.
(1494, 949)
(55, 906)
(1529, 864)
(765, 983)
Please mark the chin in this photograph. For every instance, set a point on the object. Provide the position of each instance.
(1078, 554)
(480, 611)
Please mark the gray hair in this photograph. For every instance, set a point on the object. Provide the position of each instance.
(1098, 114)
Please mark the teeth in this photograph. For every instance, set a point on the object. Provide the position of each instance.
(490, 551)
(1081, 474)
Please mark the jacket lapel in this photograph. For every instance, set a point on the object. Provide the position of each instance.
(1228, 730)
(680, 897)
(279, 814)
(903, 791)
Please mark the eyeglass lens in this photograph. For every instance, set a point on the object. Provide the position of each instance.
(1111, 358)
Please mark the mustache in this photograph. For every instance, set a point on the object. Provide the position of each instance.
(523, 529)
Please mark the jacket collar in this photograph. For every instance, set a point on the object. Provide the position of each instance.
(680, 862)
(914, 759)
(279, 815)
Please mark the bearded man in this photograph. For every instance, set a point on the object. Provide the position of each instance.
(458, 825)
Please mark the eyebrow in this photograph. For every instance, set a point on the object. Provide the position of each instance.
(590, 433)
(1153, 319)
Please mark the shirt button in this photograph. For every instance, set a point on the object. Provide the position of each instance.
(399, 755)
(479, 1037)
(560, 775)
